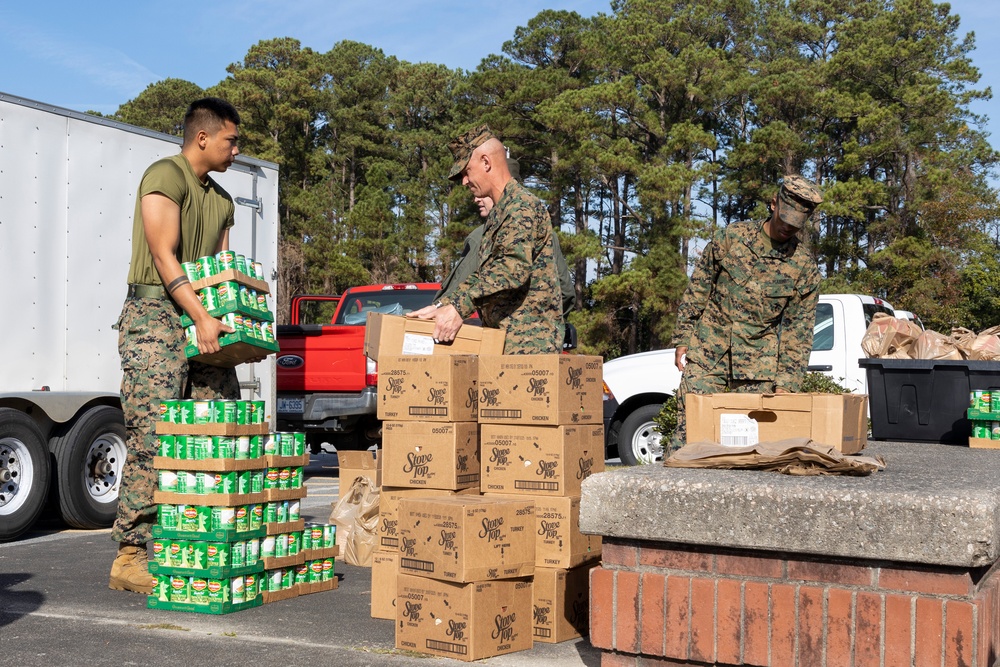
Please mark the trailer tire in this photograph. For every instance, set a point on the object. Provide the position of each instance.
(24, 473)
(89, 458)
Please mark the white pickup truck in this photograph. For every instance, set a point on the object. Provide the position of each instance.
(636, 385)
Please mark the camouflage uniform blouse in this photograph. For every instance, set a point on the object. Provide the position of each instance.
(757, 301)
(516, 287)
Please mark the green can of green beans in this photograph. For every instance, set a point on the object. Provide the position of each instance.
(187, 481)
(284, 476)
(180, 589)
(258, 412)
(200, 447)
(294, 510)
(274, 580)
(160, 550)
(225, 446)
(327, 569)
(225, 260)
(271, 478)
(209, 298)
(198, 554)
(229, 294)
(251, 587)
(217, 554)
(317, 536)
(307, 539)
(218, 590)
(287, 577)
(294, 542)
(166, 446)
(166, 516)
(242, 447)
(238, 553)
(241, 263)
(243, 416)
(315, 571)
(206, 266)
(203, 412)
(981, 429)
(185, 411)
(192, 271)
(271, 512)
(227, 482)
(243, 481)
(167, 480)
(267, 546)
(287, 444)
(258, 270)
(256, 516)
(281, 545)
(995, 400)
(177, 553)
(223, 518)
(253, 551)
(329, 535)
(282, 511)
(302, 574)
(236, 590)
(199, 591)
(223, 412)
(161, 588)
(256, 447)
(242, 519)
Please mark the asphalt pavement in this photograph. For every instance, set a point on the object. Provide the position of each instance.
(56, 609)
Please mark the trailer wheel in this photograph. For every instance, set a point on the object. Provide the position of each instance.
(24, 473)
(89, 460)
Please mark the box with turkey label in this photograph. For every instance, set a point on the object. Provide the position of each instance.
(428, 388)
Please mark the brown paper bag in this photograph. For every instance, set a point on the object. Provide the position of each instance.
(985, 348)
(356, 516)
(934, 345)
(964, 340)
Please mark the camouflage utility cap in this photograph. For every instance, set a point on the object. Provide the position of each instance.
(463, 146)
(799, 197)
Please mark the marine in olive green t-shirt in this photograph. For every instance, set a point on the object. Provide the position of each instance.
(206, 211)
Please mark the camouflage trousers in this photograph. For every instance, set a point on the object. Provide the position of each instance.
(154, 369)
(698, 379)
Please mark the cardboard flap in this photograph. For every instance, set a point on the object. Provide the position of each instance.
(358, 460)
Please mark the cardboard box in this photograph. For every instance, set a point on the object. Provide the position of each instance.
(558, 540)
(463, 621)
(385, 567)
(546, 389)
(466, 539)
(430, 455)
(428, 388)
(539, 460)
(837, 420)
(388, 511)
(358, 464)
(984, 443)
(396, 335)
(561, 603)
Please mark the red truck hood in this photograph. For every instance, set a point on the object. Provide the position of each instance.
(314, 357)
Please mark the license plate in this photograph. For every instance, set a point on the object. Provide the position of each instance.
(296, 405)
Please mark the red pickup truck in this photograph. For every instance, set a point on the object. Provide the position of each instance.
(326, 386)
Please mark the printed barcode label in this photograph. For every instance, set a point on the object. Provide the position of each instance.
(447, 647)
(532, 485)
(421, 411)
(471, 477)
(545, 633)
(499, 414)
(414, 564)
(737, 431)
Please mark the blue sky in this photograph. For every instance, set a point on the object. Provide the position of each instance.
(100, 55)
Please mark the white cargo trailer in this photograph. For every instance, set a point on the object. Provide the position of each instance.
(67, 196)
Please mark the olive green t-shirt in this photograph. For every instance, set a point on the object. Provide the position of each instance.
(206, 212)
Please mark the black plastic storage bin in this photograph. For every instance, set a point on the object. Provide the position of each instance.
(925, 400)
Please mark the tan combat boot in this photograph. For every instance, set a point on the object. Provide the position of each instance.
(130, 571)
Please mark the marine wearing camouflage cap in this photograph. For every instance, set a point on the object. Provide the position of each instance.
(462, 148)
(799, 198)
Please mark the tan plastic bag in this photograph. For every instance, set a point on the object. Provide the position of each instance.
(964, 340)
(985, 348)
(934, 345)
(889, 337)
(356, 516)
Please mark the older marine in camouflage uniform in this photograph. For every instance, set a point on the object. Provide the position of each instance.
(746, 319)
(516, 286)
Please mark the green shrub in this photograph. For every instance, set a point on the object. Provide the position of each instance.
(818, 383)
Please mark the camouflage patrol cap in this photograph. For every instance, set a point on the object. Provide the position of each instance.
(463, 146)
(799, 197)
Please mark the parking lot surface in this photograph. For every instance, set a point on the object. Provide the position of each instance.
(56, 609)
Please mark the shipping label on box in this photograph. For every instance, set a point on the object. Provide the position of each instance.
(463, 621)
(397, 335)
(837, 420)
(547, 389)
(558, 540)
(561, 603)
(539, 460)
(354, 464)
(428, 388)
(466, 538)
(388, 511)
(430, 455)
(385, 567)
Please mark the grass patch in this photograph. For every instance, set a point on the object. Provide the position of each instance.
(163, 626)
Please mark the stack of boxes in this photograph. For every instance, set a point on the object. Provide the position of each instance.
(468, 574)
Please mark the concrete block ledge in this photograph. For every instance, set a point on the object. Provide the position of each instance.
(934, 504)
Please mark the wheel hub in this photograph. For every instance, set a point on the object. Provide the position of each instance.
(104, 464)
(648, 444)
(16, 471)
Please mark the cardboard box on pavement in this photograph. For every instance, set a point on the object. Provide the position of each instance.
(388, 511)
(466, 538)
(430, 455)
(463, 621)
(539, 460)
(558, 540)
(541, 389)
(837, 420)
(358, 464)
(428, 388)
(561, 603)
(394, 334)
(385, 567)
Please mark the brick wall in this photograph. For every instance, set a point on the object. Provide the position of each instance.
(663, 604)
